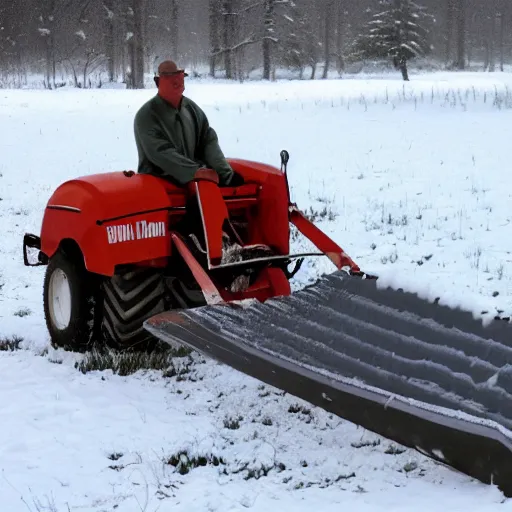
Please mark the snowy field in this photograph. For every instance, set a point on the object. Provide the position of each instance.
(411, 179)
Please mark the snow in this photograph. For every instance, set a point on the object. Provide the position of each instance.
(414, 177)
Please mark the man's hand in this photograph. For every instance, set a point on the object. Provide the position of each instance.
(236, 180)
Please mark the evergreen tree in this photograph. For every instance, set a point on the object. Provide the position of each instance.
(400, 31)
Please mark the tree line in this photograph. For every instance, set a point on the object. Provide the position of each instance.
(122, 40)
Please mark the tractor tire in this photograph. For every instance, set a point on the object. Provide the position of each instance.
(182, 296)
(131, 297)
(71, 302)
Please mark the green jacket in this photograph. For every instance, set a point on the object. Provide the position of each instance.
(175, 143)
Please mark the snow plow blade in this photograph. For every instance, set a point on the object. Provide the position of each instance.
(424, 375)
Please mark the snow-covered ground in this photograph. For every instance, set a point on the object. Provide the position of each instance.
(411, 179)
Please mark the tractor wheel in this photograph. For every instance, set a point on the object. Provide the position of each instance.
(71, 300)
(182, 296)
(131, 297)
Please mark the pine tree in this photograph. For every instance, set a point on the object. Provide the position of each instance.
(399, 31)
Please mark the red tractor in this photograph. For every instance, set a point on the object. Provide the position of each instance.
(133, 261)
(121, 247)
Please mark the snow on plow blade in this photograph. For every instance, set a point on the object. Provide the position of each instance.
(424, 375)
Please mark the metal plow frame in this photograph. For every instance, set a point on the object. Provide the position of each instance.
(474, 444)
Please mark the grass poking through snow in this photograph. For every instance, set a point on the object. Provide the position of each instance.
(127, 363)
(10, 344)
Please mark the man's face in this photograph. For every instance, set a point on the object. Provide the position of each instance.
(174, 82)
(171, 87)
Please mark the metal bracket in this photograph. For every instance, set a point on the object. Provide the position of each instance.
(34, 242)
(296, 268)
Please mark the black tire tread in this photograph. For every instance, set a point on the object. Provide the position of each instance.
(130, 297)
(183, 297)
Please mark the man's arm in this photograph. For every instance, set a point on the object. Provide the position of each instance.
(162, 153)
(211, 152)
(214, 156)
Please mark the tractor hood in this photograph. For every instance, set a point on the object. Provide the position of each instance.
(111, 195)
(114, 218)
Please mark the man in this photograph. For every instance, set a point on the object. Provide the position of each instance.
(173, 136)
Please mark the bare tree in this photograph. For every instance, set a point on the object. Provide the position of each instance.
(228, 31)
(270, 32)
(461, 34)
(268, 37)
(174, 28)
(491, 42)
(110, 38)
(214, 7)
(450, 15)
(298, 42)
(136, 43)
(340, 27)
(82, 53)
(328, 16)
(50, 12)
(11, 40)
(501, 17)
